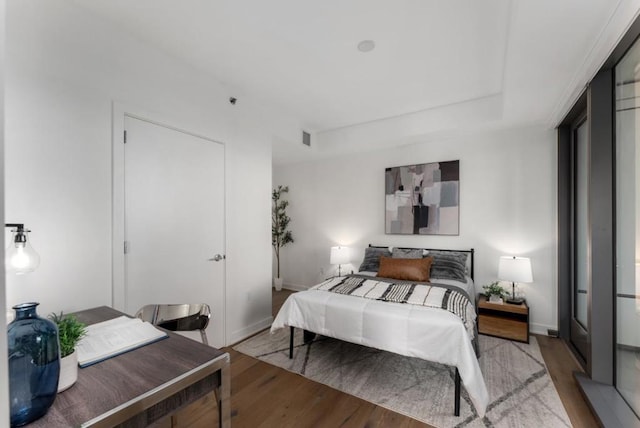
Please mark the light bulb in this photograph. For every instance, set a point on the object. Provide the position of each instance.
(20, 256)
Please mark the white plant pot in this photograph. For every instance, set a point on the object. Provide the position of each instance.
(277, 283)
(68, 371)
(495, 299)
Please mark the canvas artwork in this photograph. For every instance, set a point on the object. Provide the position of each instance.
(423, 199)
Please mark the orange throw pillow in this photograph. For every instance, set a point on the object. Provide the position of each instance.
(405, 269)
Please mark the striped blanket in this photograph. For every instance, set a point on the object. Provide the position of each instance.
(430, 295)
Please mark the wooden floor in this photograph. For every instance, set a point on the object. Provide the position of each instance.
(263, 395)
(561, 364)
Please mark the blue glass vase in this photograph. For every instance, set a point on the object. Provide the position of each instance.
(34, 364)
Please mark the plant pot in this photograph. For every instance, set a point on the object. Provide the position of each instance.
(495, 299)
(68, 371)
(277, 283)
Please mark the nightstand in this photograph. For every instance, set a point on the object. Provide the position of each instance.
(505, 320)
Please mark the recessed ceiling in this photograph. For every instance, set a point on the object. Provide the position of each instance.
(429, 54)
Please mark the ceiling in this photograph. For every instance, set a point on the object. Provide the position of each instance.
(302, 55)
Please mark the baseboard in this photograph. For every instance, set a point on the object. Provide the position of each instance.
(295, 287)
(250, 330)
(541, 328)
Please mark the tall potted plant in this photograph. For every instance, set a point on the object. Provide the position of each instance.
(280, 236)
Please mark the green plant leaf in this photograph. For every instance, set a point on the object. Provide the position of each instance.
(70, 331)
(494, 289)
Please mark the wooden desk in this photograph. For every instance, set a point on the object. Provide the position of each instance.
(143, 386)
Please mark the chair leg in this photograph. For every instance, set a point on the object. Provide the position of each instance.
(203, 334)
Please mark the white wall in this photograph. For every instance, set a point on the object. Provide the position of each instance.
(65, 68)
(507, 207)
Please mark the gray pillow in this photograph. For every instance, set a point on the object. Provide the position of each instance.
(449, 265)
(372, 255)
(407, 253)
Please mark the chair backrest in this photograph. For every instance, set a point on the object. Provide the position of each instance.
(177, 317)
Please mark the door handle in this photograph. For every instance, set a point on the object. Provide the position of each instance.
(217, 258)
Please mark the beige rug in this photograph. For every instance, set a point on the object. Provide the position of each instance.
(521, 392)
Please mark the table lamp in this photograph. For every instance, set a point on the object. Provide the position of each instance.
(339, 256)
(514, 269)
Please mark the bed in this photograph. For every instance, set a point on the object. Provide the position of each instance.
(426, 332)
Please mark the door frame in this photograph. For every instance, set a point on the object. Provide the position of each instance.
(579, 335)
(120, 112)
(598, 101)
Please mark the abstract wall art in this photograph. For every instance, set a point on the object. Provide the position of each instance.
(423, 199)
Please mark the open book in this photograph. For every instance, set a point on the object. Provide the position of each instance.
(113, 337)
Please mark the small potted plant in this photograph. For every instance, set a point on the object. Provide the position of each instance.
(70, 331)
(494, 292)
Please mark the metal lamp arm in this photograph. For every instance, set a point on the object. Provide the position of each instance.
(19, 226)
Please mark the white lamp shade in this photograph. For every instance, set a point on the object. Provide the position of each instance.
(515, 269)
(339, 255)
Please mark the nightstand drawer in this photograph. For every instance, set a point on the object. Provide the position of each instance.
(501, 326)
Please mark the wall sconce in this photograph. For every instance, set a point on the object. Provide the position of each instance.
(515, 269)
(20, 256)
(339, 256)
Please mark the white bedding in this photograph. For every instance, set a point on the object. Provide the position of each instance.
(415, 331)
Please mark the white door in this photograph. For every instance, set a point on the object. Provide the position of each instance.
(174, 220)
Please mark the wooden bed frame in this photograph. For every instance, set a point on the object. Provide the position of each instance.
(308, 336)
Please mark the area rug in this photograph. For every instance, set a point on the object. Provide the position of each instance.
(521, 392)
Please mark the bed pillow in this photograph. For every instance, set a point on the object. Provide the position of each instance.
(405, 269)
(407, 253)
(372, 256)
(449, 265)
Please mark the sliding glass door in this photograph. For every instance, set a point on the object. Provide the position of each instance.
(627, 351)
